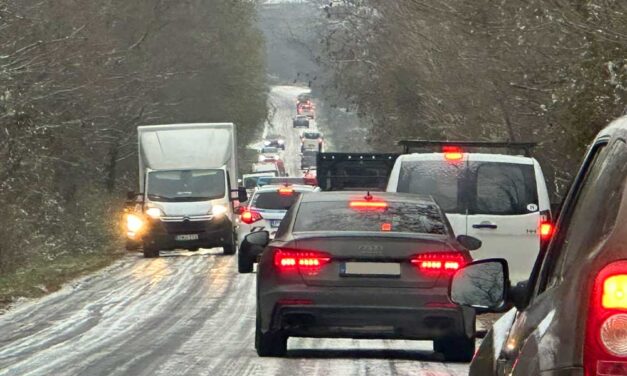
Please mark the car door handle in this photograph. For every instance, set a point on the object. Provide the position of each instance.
(485, 225)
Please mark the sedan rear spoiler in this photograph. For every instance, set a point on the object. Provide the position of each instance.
(429, 145)
(354, 171)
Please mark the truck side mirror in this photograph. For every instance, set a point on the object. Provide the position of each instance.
(239, 194)
(482, 285)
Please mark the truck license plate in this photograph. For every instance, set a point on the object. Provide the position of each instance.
(186, 237)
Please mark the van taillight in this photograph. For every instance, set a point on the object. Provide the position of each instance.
(286, 260)
(605, 350)
(438, 262)
(249, 217)
(452, 153)
(546, 226)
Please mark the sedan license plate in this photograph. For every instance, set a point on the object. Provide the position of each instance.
(186, 237)
(275, 222)
(371, 269)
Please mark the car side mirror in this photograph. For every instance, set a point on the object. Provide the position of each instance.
(482, 285)
(239, 194)
(469, 242)
(258, 238)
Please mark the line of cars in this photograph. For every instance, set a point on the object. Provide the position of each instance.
(458, 233)
(358, 263)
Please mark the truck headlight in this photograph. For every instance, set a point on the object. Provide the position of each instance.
(218, 210)
(134, 223)
(154, 213)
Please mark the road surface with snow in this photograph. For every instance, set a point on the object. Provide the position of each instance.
(185, 314)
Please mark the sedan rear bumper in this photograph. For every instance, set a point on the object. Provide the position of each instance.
(365, 313)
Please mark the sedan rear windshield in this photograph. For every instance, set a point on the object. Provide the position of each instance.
(397, 217)
(274, 200)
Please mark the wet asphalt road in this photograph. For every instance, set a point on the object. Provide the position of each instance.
(185, 314)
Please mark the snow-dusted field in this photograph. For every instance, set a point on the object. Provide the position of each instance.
(185, 314)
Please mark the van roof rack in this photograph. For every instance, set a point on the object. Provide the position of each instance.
(408, 145)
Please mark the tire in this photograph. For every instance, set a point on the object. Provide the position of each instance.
(244, 265)
(271, 344)
(230, 247)
(150, 251)
(459, 349)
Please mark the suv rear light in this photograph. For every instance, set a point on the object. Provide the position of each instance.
(301, 260)
(605, 350)
(249, 217)
(438, 262)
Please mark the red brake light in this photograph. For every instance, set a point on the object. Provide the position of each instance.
(606, 328)
(452, 153)
(301, 260)
(386, 226)
(286, 191)
(546, 228)
(249, 217)
(439, 261)
(368, 205)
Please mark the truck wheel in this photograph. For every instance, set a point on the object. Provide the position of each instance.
(229, 247)
(271, 344)
(460, 349)
(243, 264)
(150, 251)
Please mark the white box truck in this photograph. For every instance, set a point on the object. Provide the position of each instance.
(187, 184)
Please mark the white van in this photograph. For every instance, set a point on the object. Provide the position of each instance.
(500, 199)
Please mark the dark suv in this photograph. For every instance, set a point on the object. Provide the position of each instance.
(570, 317)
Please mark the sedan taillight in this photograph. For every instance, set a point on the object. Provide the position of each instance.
(437, 262)
(605, 350)
(249, 217)
(286, 260)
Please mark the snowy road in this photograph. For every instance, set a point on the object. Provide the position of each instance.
(184, 314)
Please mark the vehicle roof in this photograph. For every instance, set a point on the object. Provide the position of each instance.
(357, 195)
(480, 157)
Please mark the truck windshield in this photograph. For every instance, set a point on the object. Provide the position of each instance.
(186, 185)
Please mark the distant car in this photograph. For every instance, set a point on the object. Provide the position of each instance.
(570, 317)
(263, 181)
(274, 141)
(268, 167)
(308, 109)
(269, 154)
(353, 265)
(265, 210)
(501, 199)
(308, 159)
(311, 140)
(250, 180)
(301, 121)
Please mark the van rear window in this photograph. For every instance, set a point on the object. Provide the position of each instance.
(487, 188)
(439, 179)
(504, 189)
